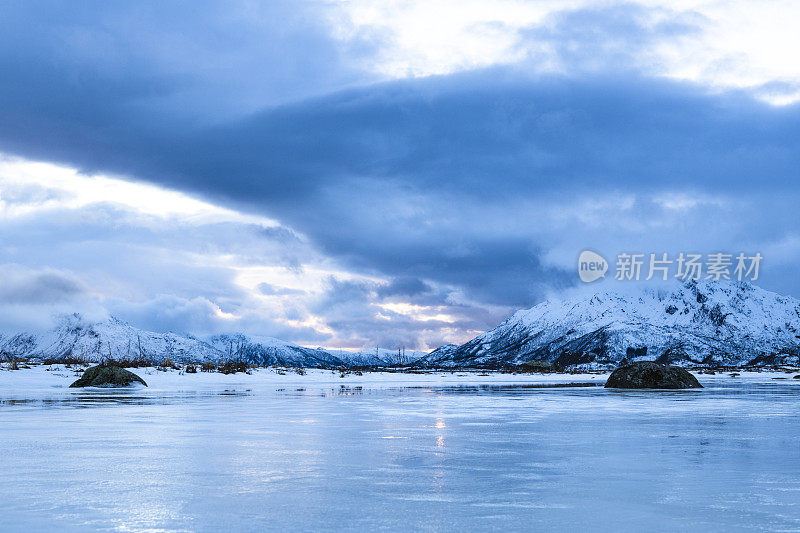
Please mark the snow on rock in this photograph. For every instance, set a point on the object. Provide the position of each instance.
(715, 323)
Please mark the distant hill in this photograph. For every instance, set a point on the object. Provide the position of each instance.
(268, 351)
(379, 357)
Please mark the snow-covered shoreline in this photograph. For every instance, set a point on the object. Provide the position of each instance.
(54, 378)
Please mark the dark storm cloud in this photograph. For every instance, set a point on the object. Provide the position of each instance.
(430, 179)
(125, 77)
(405, 286)
(344, 169)
(25, 286)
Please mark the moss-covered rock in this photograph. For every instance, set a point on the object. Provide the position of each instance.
(107, 376)
(649, 375)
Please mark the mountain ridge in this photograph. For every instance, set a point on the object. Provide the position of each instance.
(75, 337)
(695, 323)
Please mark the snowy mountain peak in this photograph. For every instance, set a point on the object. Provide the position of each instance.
(691, 323)
(74, 336)
(271, 351)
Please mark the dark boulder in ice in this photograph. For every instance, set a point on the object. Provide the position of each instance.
(649, 375)
(536, 365)
(107, 376)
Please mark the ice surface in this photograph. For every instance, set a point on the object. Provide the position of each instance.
(459, 451)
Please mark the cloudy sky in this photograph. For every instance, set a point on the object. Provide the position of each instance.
(353, 173)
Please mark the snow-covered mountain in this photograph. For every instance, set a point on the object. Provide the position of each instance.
(268, 351)
(720, 323)
(711, 323)
(379, 357)
(76, 337)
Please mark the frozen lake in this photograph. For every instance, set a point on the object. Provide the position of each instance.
(317, 452)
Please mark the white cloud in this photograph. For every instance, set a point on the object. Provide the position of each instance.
(28, 187)
(742, 43)
(162, 260)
